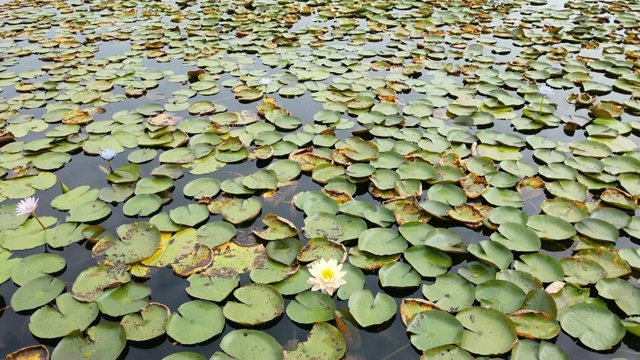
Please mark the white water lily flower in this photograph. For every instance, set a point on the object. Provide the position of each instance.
(326, 275)
(265, 81)
(27, 206)
(108, 154)
(545, 89)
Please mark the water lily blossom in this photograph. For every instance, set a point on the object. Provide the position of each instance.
(545, 90)
(28, 206)
(107, 154)
(326, 275)
(265, 80)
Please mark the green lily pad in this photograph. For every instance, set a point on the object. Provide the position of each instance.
(399, 275)
(35, 266)
(324, 341)
(447, 193)
(89, 211)
(624, 293)
(92, 281)
(212, 288)
(261, 180)
(237, 211)
(598, 229)
(216, 233)
(295, 283)
(196, 321)
(284, 251)
(106, 341)
(531, 349)
(562, 208)
(487, 331)
(138, 241)
(142, 205)
(595, 325)
(36, 292)
(148, 325)
(251, 344)
(501, 295)
(320, 248)
(430, 329)
(550, 227)
(450, 292)
(68, 315)
(517, 237)
(124, 299)
(190, 215)
(491, 252)
(477, 272)
(272, 271)
(257, 304)
(278, 228)
(427, 261)
(153, 185)
(542, 266)
(71, 198)
(379, 241)
(311, 307)
(368, 310)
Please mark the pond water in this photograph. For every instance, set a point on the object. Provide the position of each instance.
(491, 215)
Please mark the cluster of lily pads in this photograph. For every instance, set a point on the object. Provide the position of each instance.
(431, 116)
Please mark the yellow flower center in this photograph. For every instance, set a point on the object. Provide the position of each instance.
(327, 274)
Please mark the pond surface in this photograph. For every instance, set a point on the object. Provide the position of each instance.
(472, 165)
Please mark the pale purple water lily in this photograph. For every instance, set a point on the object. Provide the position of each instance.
(108, 154)
(265, 81)
(544, 90)
(28, 206)
(326, 275)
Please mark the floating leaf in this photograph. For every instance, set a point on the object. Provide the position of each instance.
(450, 292)
(487, 331)
(595, 326)
(196, 321)
(434, 328)
(36, 292)
(258, 304)
(106, 341)
(251, 344)
(311, 307)
(368, 310)
(138, 241)
(124, 299)
(324, 341)
(68, 315)
(148, 325)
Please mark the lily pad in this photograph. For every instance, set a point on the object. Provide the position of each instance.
(36, 292)
(196, 321)
(105, 341)
(311, 307)
(595, 325)
(148, 325)
(324, 341)
(368, 310)
(251, 344)
(258, 304)
(68, 315)
(487, 331)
